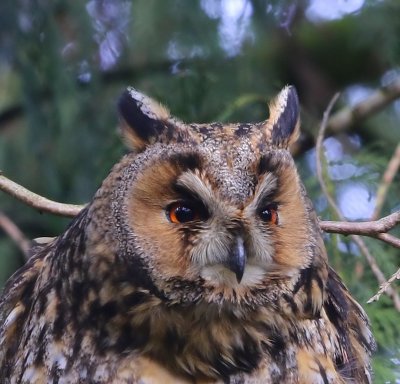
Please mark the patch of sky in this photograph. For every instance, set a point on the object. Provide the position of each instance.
(234, 22)
(326, 10)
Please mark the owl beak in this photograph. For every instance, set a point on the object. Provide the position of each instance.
(237, 261)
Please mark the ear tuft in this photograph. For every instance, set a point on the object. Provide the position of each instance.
(284, 120)
(142, 119)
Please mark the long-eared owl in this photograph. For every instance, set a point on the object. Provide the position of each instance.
(199, 260)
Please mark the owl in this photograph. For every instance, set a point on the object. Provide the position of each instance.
(199, 260)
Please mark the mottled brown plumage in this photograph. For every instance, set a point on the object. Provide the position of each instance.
(199, 260)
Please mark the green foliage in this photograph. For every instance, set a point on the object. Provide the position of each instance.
(63, 65)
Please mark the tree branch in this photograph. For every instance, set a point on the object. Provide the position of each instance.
(374, 229)
(37, 201)
(367, 228)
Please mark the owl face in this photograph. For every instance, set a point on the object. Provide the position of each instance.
(215, 205)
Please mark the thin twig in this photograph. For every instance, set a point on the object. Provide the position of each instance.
(392, 293)
(357, 239)
(318, 149)
(15, 234)
(384, 287)
(37, 201)
(346, 117)
(387, 179)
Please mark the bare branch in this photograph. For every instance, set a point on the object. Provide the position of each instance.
(346, 117)
(376, 229)
(37, 201)
(15, 234)
(390, 239)
(365, 228)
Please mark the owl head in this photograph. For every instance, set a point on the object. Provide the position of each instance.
(211, 211)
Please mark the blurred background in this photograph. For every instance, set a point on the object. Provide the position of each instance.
(64, 63)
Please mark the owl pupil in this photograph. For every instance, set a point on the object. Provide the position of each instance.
(184, 214)
(266, 215)
(269, 214)
(181, 212)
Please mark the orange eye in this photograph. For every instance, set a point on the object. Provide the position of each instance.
(270, 214)
(181, 212)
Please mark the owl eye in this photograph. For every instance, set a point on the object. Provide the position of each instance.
(269, 214)
(183, 212)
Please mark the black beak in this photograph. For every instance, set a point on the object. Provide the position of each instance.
(237, 260)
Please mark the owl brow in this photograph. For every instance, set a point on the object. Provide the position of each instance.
(190, 186)
(187, 194)
(268, 190)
